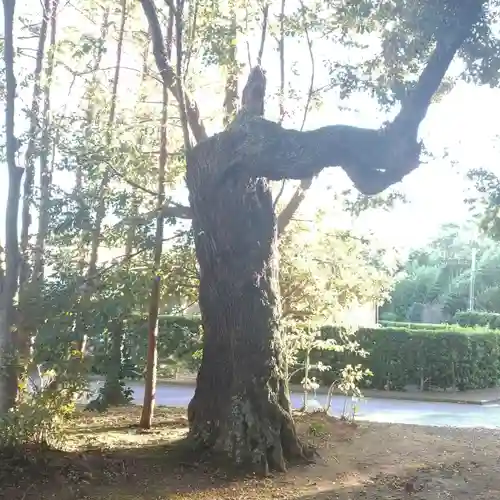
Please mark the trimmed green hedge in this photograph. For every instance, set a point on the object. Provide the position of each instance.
(477, 318)
(416, 326)
(466, 359)
(436, 327)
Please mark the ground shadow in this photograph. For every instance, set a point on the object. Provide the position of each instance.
(144, 471)
(369, 461)
(154, 469)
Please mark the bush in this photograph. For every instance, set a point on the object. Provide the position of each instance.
(415, 326)
(178, 338)
(38, 418)
(462, 359)
(478, 318)
(438, 327)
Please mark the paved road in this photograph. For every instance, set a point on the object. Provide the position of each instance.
(369, 409)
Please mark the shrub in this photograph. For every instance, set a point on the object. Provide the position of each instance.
(478, 318)
(388, 316)
(39, 416)
(462, 359)
(439, 327)
(415, 326)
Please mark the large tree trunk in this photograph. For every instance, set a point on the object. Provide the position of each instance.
(241, 404)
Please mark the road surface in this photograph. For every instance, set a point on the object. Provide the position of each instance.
(369, 409)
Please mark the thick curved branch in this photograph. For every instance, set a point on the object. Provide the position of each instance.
(415, 105)
(168, 74)
(373, 159)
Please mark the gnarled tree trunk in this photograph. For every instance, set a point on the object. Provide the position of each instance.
(241, 403)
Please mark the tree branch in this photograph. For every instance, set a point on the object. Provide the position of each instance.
(298, 197)
(373, 159)
(265, 16)
(170, 209)
(168, 74)
(285, 216)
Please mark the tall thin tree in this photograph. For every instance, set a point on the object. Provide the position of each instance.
(31, 149)
(45, 179)
(10, 282)
(154, 300)
(100, 213)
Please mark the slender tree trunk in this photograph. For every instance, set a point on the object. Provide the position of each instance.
(154, 300)
(29, 159)
(232, 70)
(113, 391)
(24, 329)
(45, 167)
(89, 118)
(103, 188)
(95, 237)
(80, 327)
(9, 287)
(113, 388)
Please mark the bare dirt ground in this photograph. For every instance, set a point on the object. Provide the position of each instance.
(105, 457)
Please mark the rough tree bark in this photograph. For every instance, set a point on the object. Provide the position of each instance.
(10, 280)
(240, 406)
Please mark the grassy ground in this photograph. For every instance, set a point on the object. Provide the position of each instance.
(105, 457)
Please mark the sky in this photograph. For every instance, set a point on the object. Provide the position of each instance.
(462, 125)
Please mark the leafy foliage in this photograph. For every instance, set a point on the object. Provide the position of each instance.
(325, 273)
(439, 276)
(40, 415)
